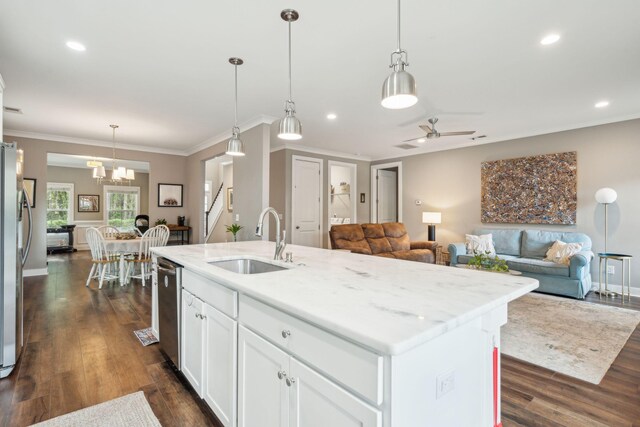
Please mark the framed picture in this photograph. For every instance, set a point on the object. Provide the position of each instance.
(88, 203)
(29, 185)
(170, 195)
(230, 199)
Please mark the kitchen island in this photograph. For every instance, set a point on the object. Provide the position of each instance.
(340, 339)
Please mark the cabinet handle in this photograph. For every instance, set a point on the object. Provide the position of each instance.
(290, 381)
(197, 315)
(282, 374)
(286, 333)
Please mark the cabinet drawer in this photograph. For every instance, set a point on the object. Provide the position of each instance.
(214, 294)
(347, 363)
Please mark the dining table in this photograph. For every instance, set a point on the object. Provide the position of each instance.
(122, 247)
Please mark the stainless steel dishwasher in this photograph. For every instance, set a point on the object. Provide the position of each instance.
(169, 291)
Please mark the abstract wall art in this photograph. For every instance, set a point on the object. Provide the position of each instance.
(530, 190)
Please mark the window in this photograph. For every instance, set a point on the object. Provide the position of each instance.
(122, 204)
(59, 204)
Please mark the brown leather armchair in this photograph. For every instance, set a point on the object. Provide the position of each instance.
(388, 240)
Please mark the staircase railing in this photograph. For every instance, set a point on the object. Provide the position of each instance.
(208, 212)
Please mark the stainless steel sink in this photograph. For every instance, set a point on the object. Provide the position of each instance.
(247, 266)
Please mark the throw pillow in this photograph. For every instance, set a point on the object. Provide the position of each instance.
(561, 252)
(479, 244)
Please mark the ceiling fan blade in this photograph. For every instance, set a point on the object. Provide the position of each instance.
(414, 139)
(426, 128)
(468, 132)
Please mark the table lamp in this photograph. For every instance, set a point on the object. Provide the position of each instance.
(431, 218)
(605, 196)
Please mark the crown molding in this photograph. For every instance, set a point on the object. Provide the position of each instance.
(210, 142)
(321, 151)
(92, 142)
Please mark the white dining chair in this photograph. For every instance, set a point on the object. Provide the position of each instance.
(108, 231)
(153, 237)
(103, 265)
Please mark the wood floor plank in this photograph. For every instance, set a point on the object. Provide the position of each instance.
(68, 392)
(100, 373)
(29, 412)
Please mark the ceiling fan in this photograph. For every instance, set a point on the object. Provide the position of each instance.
(432, 133)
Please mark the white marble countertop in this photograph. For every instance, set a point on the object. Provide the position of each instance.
(388, 305)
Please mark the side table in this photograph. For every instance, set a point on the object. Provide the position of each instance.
(442, 256)
(604, 260)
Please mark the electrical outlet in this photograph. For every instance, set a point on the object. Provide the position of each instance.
(445, 383)
(237, 217)
(611, 269)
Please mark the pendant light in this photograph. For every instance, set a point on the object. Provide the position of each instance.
(235, 146)
(290, 127)
(399, 89)
(115, 172)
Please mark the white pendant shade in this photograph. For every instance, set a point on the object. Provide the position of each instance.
(122, 172)
(99, 172)
(131, 174)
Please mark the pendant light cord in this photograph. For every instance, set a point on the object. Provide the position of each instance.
(290, 96)
(399, 49)
(235, 67)
(113, 152)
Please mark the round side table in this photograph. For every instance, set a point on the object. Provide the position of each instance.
(604, 260)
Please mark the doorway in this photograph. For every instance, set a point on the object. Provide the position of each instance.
(386, 192)
(306, 201)
(341, 185)
(217, 209)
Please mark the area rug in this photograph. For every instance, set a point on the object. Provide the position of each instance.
(573, 337)
(130, 410)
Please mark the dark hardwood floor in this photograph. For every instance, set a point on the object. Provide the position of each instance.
(535, 396)
(80, 350)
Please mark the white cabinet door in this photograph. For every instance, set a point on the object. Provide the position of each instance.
(262, 395)
(192, 339)
(220, 349)
(317, 402)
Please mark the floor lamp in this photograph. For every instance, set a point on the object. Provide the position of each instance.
(431, 218)
(606, 196)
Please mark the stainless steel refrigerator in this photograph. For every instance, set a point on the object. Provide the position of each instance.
(14, 250)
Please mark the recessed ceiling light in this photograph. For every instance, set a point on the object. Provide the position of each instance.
(76, 46)
(331, 116)
(602, 104)
(421, 140)
(550, 39)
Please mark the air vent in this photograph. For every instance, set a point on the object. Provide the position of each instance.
(13, 110)
(478, 137)
(406, 146)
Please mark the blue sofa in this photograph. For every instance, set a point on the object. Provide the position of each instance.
(524, 250)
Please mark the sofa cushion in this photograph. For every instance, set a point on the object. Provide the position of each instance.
(351, 237)
(421, 255)
(536, 243)
(396, 234)
(505, 241)
(386, 255)
(464, 259)
(374, 233)
(538, 266)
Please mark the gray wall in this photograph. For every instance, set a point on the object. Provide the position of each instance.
(280, 188)
(449, 182)
(84, 184)
(250, 181)
(164, 168)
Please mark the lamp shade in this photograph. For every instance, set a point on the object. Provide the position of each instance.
(431, 217)
(99, 172)
(606, 195)
(290, 127)
(131, 174)
(399, 90)
(235, 146)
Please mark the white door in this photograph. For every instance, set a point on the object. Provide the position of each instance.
(220, 345)
(317, 402)
(307, 207)
(192, 340)
(262, 395)
(387, 196)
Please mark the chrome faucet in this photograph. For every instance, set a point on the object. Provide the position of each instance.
(280, 243)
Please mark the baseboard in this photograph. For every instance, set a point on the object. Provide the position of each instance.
(617, 288)
(35, 272)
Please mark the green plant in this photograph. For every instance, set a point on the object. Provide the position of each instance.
(233, 229)
(484, 261)
(161, 221)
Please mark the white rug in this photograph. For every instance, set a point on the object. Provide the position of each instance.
(130, 410)
(573, 337)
